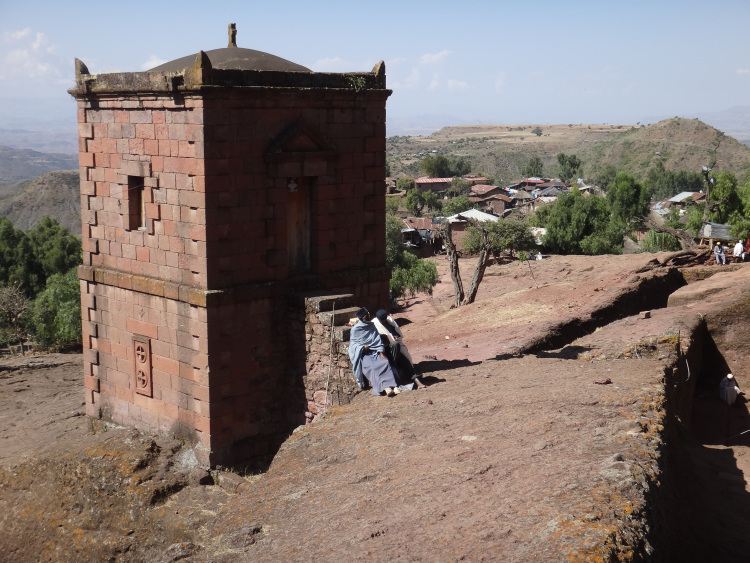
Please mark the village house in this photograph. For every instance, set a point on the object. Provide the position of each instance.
(437, 185)
(682, 199)
(461, 221)
(422, 235)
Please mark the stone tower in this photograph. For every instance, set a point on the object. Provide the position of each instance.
(216, 190)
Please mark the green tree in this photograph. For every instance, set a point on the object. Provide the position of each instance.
(537, 131)
(459, 186)
(628, 199)
(583, 225)
(460, 166)
(392, 205)
(57, 312)
(540, 217)
(457, 205)
(605, 176)
(405, 183)
(432, 202)
(436, 166)
(394, 240)
(439, 166)
(663, 183)
(414, 202)
(410, 274)
(56, 249)
(725, 199)
(19, 265)
(535, 167)
(740, 220)
(725, 205)
(570, 166)
(672, 218)
(413, 275)
(506, 234)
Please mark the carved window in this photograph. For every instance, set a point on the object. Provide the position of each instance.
(142, 365)
(136, 203)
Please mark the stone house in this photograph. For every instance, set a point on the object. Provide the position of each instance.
(228, 199)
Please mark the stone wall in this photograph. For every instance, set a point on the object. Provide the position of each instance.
(185, 201)
(328, 378)
(175, 332)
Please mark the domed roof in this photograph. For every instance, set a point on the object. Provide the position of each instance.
(234, 58)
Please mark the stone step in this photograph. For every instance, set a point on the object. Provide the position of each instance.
(340, 316)
(341, 333)
(320, 301)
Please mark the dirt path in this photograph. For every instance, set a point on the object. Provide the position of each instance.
(41, 403)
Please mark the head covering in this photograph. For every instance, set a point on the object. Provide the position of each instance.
(362, 313)
(729, 376)
(382, 314)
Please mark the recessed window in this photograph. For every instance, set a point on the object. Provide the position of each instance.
(136, 203)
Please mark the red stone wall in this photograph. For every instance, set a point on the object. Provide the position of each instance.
(177, 332)
(206, 280)
(247, 190)
(155, 138)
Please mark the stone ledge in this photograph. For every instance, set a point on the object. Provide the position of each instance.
(150, 286)
(319, 302)
(339, 318)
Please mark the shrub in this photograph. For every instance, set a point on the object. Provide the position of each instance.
(659, 242)
(56, 316)
(413, 275)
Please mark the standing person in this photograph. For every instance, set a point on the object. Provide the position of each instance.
(719, 254)
(367, 357)
(739, 250)
(396, 350)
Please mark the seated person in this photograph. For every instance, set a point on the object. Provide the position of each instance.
(366, 354)
(728, 389)
(396, 350)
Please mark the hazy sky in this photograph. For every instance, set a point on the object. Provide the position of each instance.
(532, 61)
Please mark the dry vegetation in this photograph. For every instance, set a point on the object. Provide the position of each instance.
(503, 150)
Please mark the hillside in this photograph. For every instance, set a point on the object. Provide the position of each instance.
(24, 164)
(55, 194)
(503, 150)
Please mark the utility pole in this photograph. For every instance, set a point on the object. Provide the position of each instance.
(709, 182)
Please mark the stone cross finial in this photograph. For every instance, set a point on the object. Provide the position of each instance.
(232, 35)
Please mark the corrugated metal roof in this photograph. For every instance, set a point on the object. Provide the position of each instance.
(682, 196)
(418, 223)
(426, 180)
(473, 214)
(502, 197)
(716, 230)
(483, 188)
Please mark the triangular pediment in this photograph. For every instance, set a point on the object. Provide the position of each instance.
(300, 140)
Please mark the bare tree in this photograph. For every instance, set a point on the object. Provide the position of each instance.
(13, 304)
(484, 254)
(453, 261)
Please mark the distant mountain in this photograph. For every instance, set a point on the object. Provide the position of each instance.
(62, 140)
(22, 164)
(734, 121)
(420, 124)
(54, 194)
(503, 151)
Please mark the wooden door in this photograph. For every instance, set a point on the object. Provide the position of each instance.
(298, 225)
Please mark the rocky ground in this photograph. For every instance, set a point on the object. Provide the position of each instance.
(513, 452)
